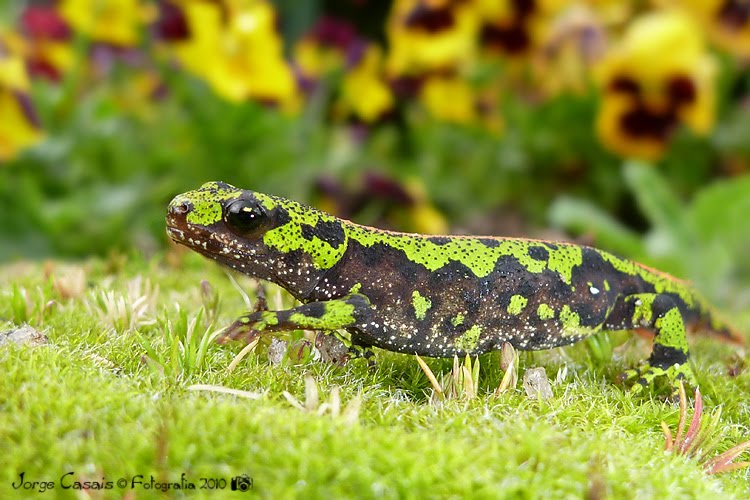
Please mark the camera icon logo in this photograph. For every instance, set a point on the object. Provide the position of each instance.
(241, 483)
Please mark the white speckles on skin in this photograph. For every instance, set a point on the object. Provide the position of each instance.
(638, 302)
(593, 290)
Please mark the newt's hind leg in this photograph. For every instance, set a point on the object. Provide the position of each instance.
(669, 358)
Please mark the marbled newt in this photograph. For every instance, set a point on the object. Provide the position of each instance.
(437, 295)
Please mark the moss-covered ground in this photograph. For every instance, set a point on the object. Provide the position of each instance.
(126, 383)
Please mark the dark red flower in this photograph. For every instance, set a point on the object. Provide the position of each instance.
(171, 24)
(43, 22)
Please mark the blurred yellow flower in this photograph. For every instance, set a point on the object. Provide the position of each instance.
(325, 48)
(234, 46)
(422, 215)
(47, 47)
(726, 21)
(658, 77)
(449, 99)
(315, 60)
(19, 127)
(117, 22)
(515, 27)
(425, 35)
(364, 92)
(575, 42)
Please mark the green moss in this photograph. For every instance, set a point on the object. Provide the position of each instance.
(88, 403)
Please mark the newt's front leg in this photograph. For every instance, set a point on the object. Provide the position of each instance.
(329, 315)
(669, 357)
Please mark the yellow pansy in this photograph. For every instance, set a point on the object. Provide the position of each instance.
(449, 99)
(315, 60)
(727, 22)
(574, 43)
(237, 50)
(47, 46)
(658, 77)
(364, 92)
(325, 48)
(515, 27)
(117, 22)
(423, 216)
(19, 127)
(426, 35)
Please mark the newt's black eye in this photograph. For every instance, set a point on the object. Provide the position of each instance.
(243, 216)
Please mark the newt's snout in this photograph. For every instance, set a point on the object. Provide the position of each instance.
(179, 206)
(178, 209)
(177, 213)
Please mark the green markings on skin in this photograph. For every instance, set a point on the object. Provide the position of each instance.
(269, 202)
(288, 237)
(564, 259)
(571, 321)
(469, 340)
(671, 328)
(675, 375)
(458, 319)
(356, 288)
(643, 314)
(267, 318)
(544, 311)
(421, 304)
(662, 282)
(206, 202)
(480, 258)
(338, 314)
(517, 304)
(669, 325)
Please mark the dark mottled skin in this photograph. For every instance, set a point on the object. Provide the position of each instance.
(435, 295)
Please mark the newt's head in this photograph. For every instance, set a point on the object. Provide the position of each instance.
(264, 236)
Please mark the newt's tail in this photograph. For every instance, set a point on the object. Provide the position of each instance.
(711, 322)
(699, 314)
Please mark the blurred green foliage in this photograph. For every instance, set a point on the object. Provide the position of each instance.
(113, 156)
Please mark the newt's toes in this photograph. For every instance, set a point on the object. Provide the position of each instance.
(239, 330)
